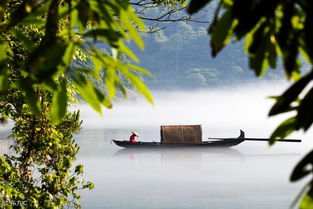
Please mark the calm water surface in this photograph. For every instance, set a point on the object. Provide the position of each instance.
(248, 176)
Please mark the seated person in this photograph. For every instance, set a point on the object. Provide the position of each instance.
(132, 138)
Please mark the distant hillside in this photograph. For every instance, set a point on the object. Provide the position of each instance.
(180, 57)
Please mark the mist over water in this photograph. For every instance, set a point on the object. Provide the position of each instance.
(250, 175)
(222, 112)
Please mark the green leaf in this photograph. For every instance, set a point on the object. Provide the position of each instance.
(68, 55)
(136, 82)
(110, 77)
(290, 95)
(256, 46)
(35, 17)
(250, 13)
(103, 99)
(59, 103)
(65, 10)
(79, 169)
(27, 43)
(50, 84)
(97, 64)
(86, 90)
(32, 20)
(76, 195)
(74, 18)
(3, 5)
(4, 81)
(84, 13)
(308, 32)
(302, 168)
(307, 201)
(139, 69)
(221, 31)
(111, 37)
(283, 130)
(135, 18)
(258, 62)
(66, 164)
(5, 52)
(46, 58)
(290, 58)
(300, 194)
(131, 29)
(30, 95)
(121, 88)
(195, 5)
(89, 185)
(271, 52)
(123, 48)
(104, 10)
(305, 113)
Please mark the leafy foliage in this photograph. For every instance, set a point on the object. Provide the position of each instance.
(302, 169)
(169, 2)
(40, 173)
(70, 26)
(38, 42)
(272, 29)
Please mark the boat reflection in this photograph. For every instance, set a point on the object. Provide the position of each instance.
(181, 151)
(188, 157)
(193, 157)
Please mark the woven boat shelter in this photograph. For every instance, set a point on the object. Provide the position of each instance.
(181, 134)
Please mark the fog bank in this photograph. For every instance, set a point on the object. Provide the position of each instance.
(220, 111)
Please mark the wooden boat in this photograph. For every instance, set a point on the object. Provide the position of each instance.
(227, 142)
(213, 142)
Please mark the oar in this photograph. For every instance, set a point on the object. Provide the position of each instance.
(262, 139)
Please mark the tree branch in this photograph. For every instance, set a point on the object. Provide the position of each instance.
(145, 9)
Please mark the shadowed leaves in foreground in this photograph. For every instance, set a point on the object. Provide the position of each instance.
(273, 29)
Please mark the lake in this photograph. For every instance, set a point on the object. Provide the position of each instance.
(250, 175)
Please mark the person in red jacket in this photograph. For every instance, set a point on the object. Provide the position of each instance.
(133, 137)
